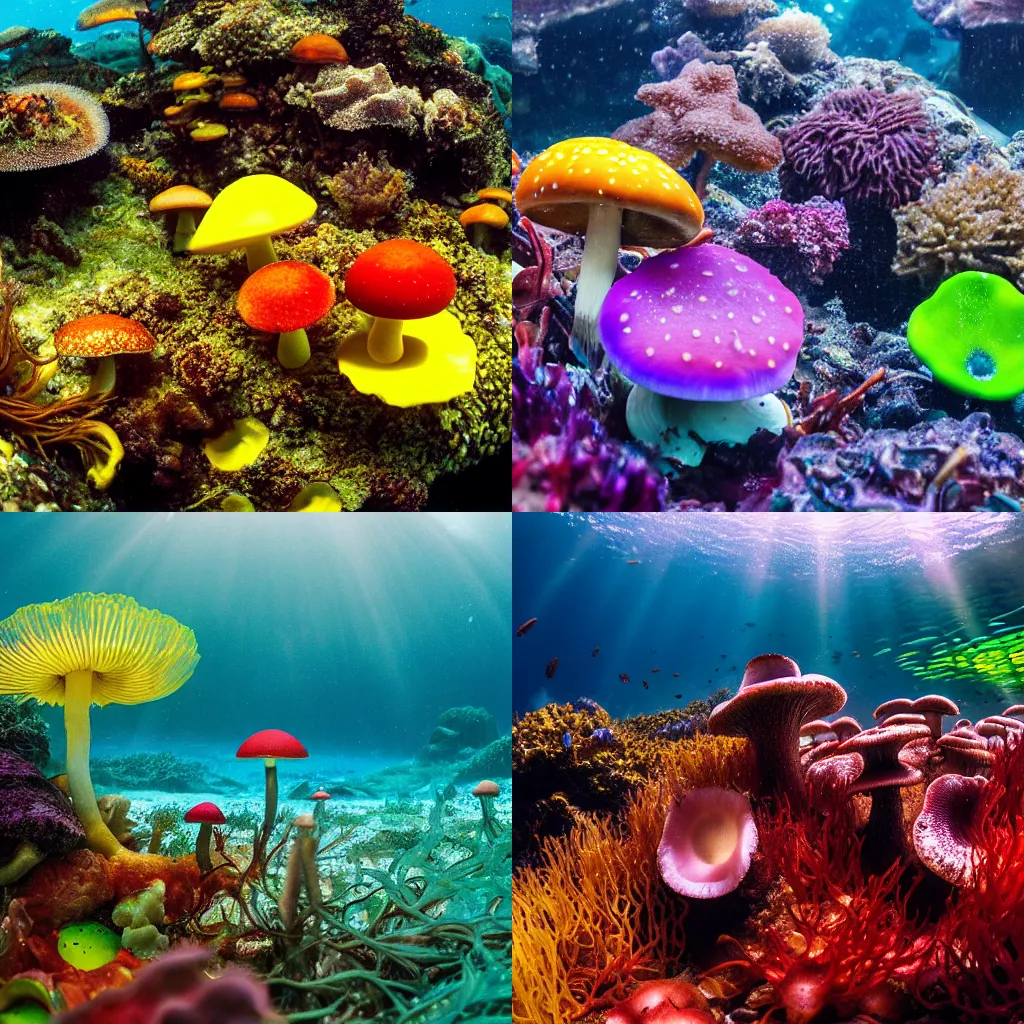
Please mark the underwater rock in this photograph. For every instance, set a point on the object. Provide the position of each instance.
(165, 771)
(459, 729)
(36, 819)
(494, 760)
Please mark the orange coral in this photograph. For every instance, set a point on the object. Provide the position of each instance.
(593, 916)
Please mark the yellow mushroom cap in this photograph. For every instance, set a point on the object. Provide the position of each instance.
(558, 187)
(180, 197)
(204, 131)
(239, 446)
(135, 654)
(316, 497)
(502, 195)
(254, 207)
(484, 213)
(189, 80)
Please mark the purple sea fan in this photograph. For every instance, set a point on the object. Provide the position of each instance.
(796, 239)
(867, 147)
(562, 458)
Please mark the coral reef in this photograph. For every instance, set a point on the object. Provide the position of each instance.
(23, 732)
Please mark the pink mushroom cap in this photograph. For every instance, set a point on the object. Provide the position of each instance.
(709, 838)
(944, 832)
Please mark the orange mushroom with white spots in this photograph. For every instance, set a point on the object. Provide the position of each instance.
(103, 337)
(184, 201)
(614, 194)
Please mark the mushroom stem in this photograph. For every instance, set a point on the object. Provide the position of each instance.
(183, 231)
(25, 858)
(102, 382)
(488, 825)
(270, 813)
(307, 857)
(77, 698)
(597, 273)
(259, 253)
(293, 349)
(203, 847)
(384, 342)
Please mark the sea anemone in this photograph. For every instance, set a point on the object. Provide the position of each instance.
(862, 146)
(48, 126)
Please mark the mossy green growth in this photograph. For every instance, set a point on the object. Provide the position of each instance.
(970, 334)
(88, 945)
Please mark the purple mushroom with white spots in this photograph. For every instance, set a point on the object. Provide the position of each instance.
(706, 334)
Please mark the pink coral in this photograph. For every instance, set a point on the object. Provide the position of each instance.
(804, 239)
(699, 111)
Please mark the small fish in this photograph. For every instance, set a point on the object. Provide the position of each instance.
(551, 668)
(624, 677)
(675, 675)
(921, 640)
(997, 622)
(884, 650)
(633, 561)
(526, 626)
(566, 740)
(594, 653)
(644, 681)
(655, 669)
(679, 696)
(750, 625)
(856, 654)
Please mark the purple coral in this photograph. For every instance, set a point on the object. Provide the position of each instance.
(867, 147)
(36, 819)
(176, 989)
(797, 240)
(670, 60)
(562, 459)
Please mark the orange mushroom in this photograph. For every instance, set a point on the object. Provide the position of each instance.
(285, 298)
(189, 80)
(614, 194)
(318, 49)
(102, 337)
(498, 195)
(185, 201)
(482, 219)
(238, 102)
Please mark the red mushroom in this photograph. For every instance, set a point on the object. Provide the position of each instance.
(205, 815)
(320, 797)
(271, 745)
(485, 792)
(415, 351)
(395, 281)
(934, 707)
(285, 298)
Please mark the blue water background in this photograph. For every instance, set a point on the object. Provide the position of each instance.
(709, 592)
(474, 19)
(350, 632)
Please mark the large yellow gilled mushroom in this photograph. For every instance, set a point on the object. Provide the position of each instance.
(92, 649)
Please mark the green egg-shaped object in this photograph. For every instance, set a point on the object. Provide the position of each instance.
(26, 1013)
(970, 334)
(88, 945)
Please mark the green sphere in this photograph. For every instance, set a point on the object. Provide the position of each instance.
(88, 945)
(970, 334)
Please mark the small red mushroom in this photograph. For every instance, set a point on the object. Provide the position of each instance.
(395, 281)
(271, 745)
(285, 298)
(320, 798)
(485, 792)
(205, 815)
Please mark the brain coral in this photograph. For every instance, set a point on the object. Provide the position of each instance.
(800, 40)
(964, 224)
(862, 146)
(51, 125)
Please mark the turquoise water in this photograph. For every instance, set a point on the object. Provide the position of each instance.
(353, 633)
(701, 595)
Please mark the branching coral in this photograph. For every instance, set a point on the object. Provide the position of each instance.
(832, 939)
(962, 224)
(593, 916)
